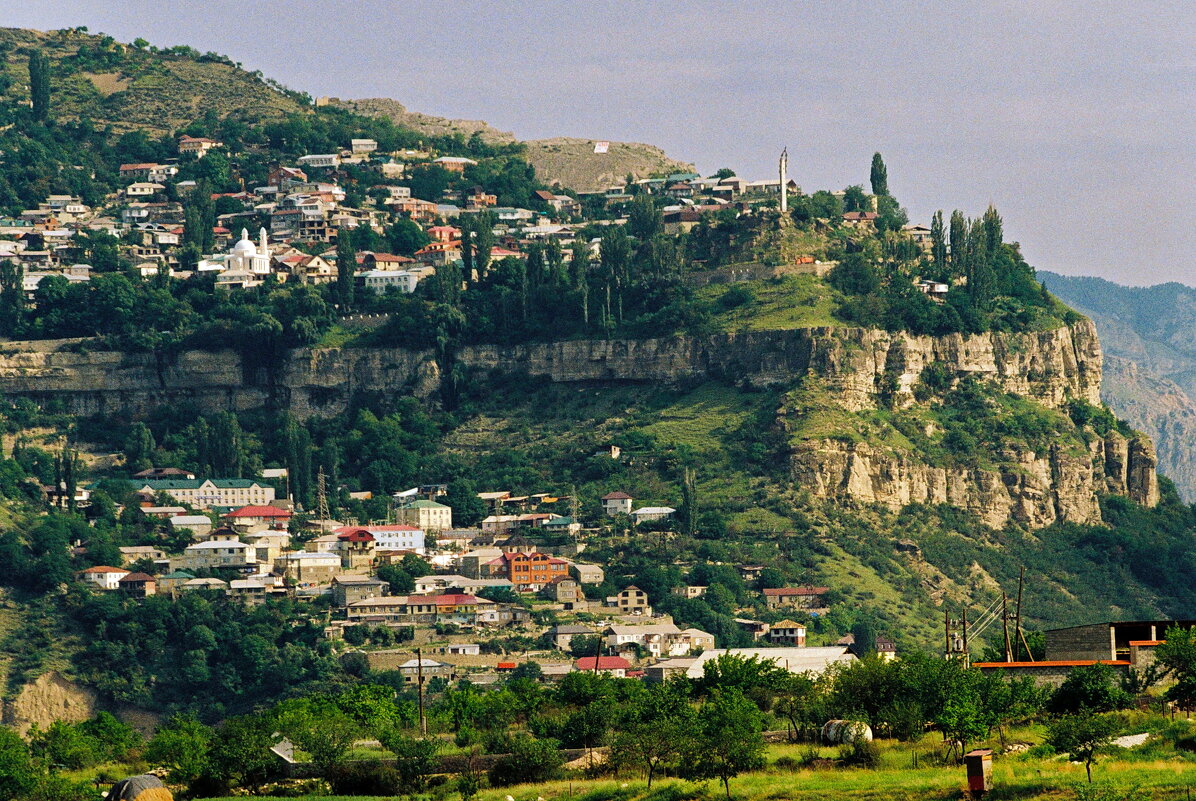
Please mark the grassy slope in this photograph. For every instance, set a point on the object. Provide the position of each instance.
(535, 435)
(154, 92)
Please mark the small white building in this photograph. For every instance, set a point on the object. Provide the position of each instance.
(103, 577)
(380, 280)
(648, 513)
(617, 503)
(221, 551)
(143, 189)
(319, 160)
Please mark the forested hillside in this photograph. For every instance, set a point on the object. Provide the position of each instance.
(942, 433)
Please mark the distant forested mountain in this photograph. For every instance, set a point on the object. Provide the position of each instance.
(1149, 339)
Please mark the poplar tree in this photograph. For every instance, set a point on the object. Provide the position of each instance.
(483, 240)
(994, 233)
(579, 274)
(959, 242)
(938, 241)
(880, 176)
(346, 267)
(981, 281)
(467, 251)
(12, 297)
(39, 85)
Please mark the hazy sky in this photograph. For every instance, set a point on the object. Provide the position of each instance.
(1076, 119)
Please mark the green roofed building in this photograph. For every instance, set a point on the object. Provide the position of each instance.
(170, 583)
(428, 515)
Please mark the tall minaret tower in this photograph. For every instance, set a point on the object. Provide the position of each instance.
(783, 168)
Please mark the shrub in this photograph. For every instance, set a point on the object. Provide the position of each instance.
(860, 753)
(529, 761)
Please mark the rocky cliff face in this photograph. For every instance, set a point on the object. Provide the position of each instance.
(860, 367)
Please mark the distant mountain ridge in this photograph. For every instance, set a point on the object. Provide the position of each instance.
(1150, 361)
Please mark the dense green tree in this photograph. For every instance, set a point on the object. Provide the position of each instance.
(462, 497)
(727, 739)
(415, 759)
(643, 218)
(1080, 735)
(1177, 656)
(652, 733)
(181, 746)
(139, 447)
(854, 199)
(1089, 687)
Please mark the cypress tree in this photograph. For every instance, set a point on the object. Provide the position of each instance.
(39, 85)
(346, 268)
(880, 176)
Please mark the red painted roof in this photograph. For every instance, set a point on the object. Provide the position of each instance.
(259, 511)
(506, 666)
(1147, 642)
(604, 663)
(104, 569)
(356, 535)
(137, 577)
(616, 496)
(1055, 663)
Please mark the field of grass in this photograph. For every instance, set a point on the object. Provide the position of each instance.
(1118, 773)
(795, 301)
(699, 418)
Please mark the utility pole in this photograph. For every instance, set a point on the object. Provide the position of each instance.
(321, 500)
(1021, 580)
(1005, 625)
(967, 652)
(419, 682)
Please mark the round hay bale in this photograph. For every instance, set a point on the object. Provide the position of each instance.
(846, 731)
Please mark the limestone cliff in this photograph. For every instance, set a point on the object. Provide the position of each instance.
(861, 369)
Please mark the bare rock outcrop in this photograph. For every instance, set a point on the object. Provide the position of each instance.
(862, 369)
(48, 698)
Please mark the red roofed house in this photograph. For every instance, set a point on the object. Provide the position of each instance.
(860, 219)
(531, 572)
(617, 503)
(809, 598)
(136, 170)
(197, 145)
(138, 585)
(438, 253)
(356, 547)
(259, 515)
(103, 577)
(385, 261)
(444, 233)
(615, 666)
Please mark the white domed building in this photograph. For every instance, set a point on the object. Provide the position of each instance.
(245, 265)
